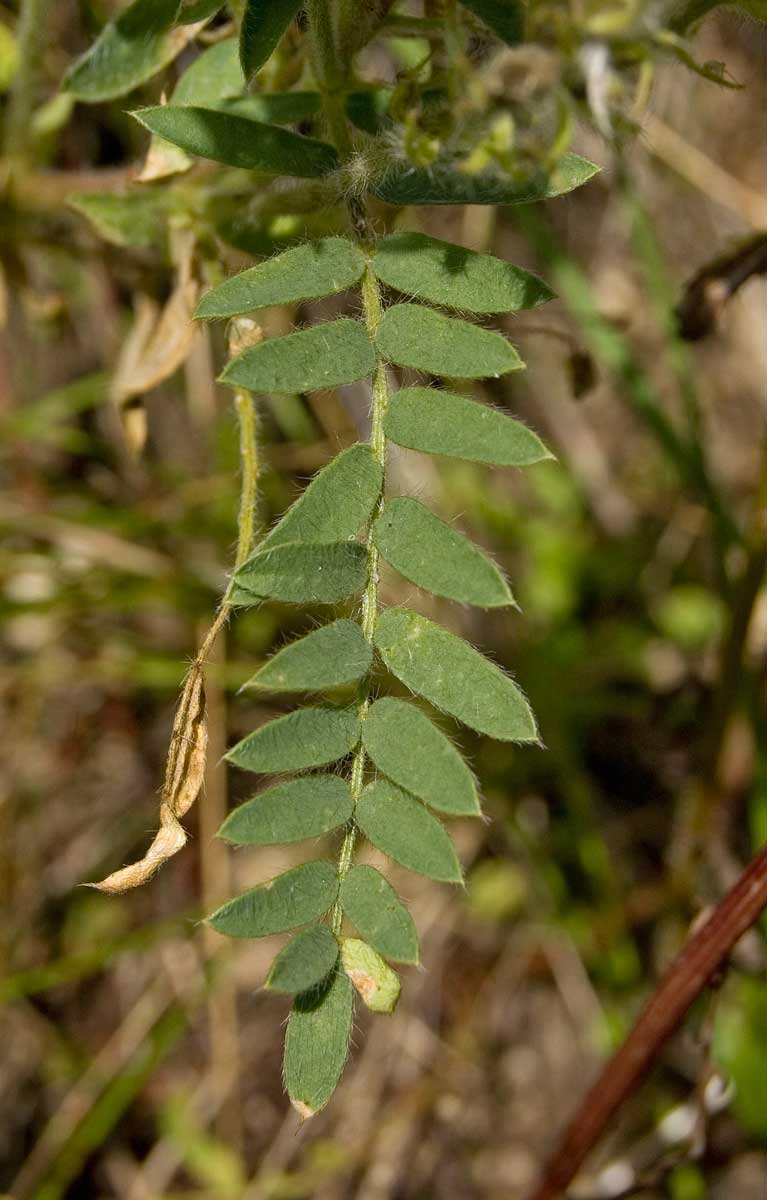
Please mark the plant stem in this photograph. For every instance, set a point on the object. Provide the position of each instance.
(705, 952)
(331, 70)
(31, 30)
(373, 311)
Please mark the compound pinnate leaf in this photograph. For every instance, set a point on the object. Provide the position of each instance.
(337, 502)
(301, 573)
(413, 336)
(127, 52)
(372, 905)
(429, 269)
(317, 1043)
(304, 272)
(328, 657)
(263, 24)
(506, 18)
(405, 745)
(237, 142)
(399, 825)
(295, 898)
(439, 422)
(436, 557)
(213, 77)
(453, 676)
(289, 812)
(305, 962)
(377, 984)
(323, 356)
(309, 737)
(444, 184)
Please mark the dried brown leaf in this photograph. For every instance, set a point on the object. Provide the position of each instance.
(184, 774)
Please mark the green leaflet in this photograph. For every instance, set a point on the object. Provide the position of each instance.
(413, 336)
(214, 76)
(436, 557)
(443, 184)
(210, 133)
(289, 812)
(453, 676)
(405, 745)
(305, 962)
(444, 423)
(127, 52)
(309, 737)
(304, 272)
(376, 982)
(134, 219)
(328, 657)
(429, 269)
(401, 827)
(372, 905)
(323, 356)
(317, 1043)
(337, 502)
(295, 898)
(299, 573)
(263, 24)
(506, 18)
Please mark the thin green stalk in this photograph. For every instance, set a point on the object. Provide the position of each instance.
(332, 77)
(246, 413)
(33, 23)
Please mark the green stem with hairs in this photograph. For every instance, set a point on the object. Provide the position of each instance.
(332, 78)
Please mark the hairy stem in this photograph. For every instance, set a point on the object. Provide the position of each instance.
(331, 69)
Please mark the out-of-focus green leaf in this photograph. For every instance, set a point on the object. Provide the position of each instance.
(372, 905)
(376, 982)
(413, 336)
(131, 219)
(328, 657)
(429, 269)
(237, 142)
(198, 10)
(214, 76)
(305, 962)
(435, 557)
(438, 422)
(453, 676)
(506, 18)
(275, 108)
(128, 51)
(317, 1043)
(305, 272)
(443, 184)
(301, 573)
(323, 356)
(337, 502)
(308, 737)
(408, 747)
(400, 826)
(263, 24)
(295, 898)
(289, 812)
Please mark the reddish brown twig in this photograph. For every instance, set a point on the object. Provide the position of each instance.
(688, 975)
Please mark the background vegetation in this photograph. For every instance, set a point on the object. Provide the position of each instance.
(139, 1057)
